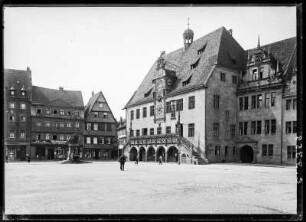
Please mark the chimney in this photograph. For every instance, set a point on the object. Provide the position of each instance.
(230, 31)
(92, 93)
(61, 88)
(28, 69)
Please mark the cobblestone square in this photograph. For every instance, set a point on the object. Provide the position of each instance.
(148, 188)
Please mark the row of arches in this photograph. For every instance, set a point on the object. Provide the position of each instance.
(151, 154)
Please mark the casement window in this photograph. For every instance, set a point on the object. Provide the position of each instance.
(62, 124)
(61, 137)
(273, 99)
(288, 104)
(159, 130)
(168, 107)
(95, 114)
(294, 104)
(273, 126)
(38, 137)
(131, 133)
(253, 102)
(12, 117)
(222, 77)
(234, 151)
(137, 132)
(264, 151)
(22, 134)
(246, 102)
(105, 115)
(216, 101)
(144, 131)
(151, 131)
(137, 113)
(88, 126)
(12, 134)
(225, 150)
(48, 111)
(38, 111)
(152, 110)
(240, 128)
(216, 129)
(47, 136)
(261, 72)
(62, 112)
(259, 101)
(233, 130)
(23, 118)
(288, 127)
(267, 100)
(245, 128)
(254, 74)
(241, 103)
(267, 126)
(191, 130)
(47, 124)
(132, 114)
(55, 111)
(95, 140)
(77, 125)
(191, 102)
(144, 112)
(217, 150)
(69, 124)
(253, 127)
(54, 137)
(227, 114)
(294, 128)
(100, 105)
(234, 79)
(38, 124)
(95, 126)
(22, 106)
(88, 140)
(168, 129)
(101, 141)
(154, 95)
(12, 105)
(270, 150)
(179, 105)
(258, 127)
(108, 127)
(291, 152)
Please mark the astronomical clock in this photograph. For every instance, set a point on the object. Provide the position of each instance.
(160, 97)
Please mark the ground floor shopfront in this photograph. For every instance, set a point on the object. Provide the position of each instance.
(99, 154)
(17, 151)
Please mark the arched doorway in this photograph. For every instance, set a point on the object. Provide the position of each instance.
(183, 158)
(172, 154)
(246, 154)
(133, 154)
(151, 154)
(161, 152)
(142, 154)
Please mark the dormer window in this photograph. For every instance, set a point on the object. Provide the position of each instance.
(194, 65)
(12, 91)
(254, 74)
(187, 81)
(23, 93)
(261, 71)
(154, 95)
(100, 105)
(201, 50)
(148, 93)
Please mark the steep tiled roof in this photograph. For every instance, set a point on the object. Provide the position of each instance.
(91, 103)
(220, 49)
(282, 51)
(12, 76)
(54, 97)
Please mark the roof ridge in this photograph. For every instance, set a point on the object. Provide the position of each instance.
(272, 43)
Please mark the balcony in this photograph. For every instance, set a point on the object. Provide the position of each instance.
(164, 139)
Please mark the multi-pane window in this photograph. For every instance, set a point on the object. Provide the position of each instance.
(101, 141)
(88, 140)
(240, 128)
(12, 134)
(23, 118)
(100, 105)
(216, 129)
(38, 124)
(95, 126)
(226, 150)
(12, 117)
(151, 131)
(288, 127)
(77, 125)
(191, 102)
(108, 127)
(38, 111)
(267, 126)
(144, 112)
(47, 136)
(291, 152)
(22, 106)
(144, 131)
(137, 132)
(12, 105)
(273, 126)
(48, 111)
(227, 114)
(253, 102)
(159, 130)
(62, 124)
(54, 137)
(47, 124)
(61, 137)
(222, 77)
(131, 133)
(191, 130)
(95, 140)
(294, 104)
(240, 103)
(172, 109)
(168, 107)
(105, 115)
(294, 128)
(258, 127)
(246, 102)
(132, 114)
(254, 74)
(69, 124)
(179, 105)
(62, 112)
(95, 114)
(288, 104)
(259, 101)
(245, 128)
(88, 126)
(137, 113)
(22, 134)
(234, 79)
(267, 100)
(54, 111)
(273, 99)
(264, 151)
(168, 129)
(152, 110)
(108, 140)
(232, 130)
(253, 127)
(217, 150)
(216, 101)
(270, 150)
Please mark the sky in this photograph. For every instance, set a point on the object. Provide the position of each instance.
(111, 49)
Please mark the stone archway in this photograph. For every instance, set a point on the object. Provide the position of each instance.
(183, 158)
(246, 154)
(142, 154)
(151, 154)
(161, 152)
(133, 154)
(172, 154)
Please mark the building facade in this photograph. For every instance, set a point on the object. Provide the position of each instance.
(189, 104)
(100, 139)
(121, 135)
(17, 101)
(56, 114)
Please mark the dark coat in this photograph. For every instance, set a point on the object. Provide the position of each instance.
(122, 159)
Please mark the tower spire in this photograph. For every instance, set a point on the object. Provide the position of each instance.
(258, 44)
(188, 23)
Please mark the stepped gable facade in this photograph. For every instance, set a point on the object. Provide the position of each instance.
(100, 137)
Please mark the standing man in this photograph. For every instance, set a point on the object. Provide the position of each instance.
(122, 162)
(29, 158)
(160, 160)
(137, 159)
(6, 158)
